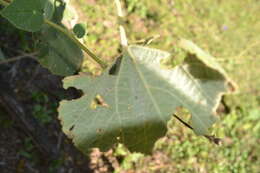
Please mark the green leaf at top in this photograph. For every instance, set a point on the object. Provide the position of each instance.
(28, 15)
(138, 101)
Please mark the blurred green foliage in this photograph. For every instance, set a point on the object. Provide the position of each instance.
(43, 111)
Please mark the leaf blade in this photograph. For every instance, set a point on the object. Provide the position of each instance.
(25, 14)
(140, 100)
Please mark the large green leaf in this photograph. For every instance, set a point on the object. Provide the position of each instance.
(60, 54)
(141, 97)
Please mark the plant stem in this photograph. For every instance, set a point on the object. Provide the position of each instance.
(121, 28)
(4, 3)
(183, 122)
(210, 138)
(82, 46)
(31, 55)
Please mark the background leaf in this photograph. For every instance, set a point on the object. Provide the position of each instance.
(137, 102)
(48, 8)
(25, 14)
(59, 53)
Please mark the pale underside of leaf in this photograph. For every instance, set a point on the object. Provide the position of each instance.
(141, 98)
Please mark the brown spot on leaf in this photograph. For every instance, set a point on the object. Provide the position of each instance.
(100, 101)
(72, 127)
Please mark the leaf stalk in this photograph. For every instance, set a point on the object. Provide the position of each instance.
(30, 55)
(82, 46)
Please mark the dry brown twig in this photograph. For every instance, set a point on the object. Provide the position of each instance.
(16, 58)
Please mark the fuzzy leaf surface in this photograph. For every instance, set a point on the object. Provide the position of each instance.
(140, 99)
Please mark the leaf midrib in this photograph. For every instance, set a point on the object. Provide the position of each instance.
(146, 86)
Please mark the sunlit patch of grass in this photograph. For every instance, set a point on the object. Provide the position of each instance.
(101, 18)
(238, 152)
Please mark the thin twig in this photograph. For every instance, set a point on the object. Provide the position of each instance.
(121, 15)
(30, 55)
(119, 9)
(248, 48)
(212, 138)
(242, 53)
(183, 122)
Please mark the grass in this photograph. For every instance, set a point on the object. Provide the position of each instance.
(229, 30)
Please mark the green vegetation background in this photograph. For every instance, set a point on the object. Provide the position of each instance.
(229, 30)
